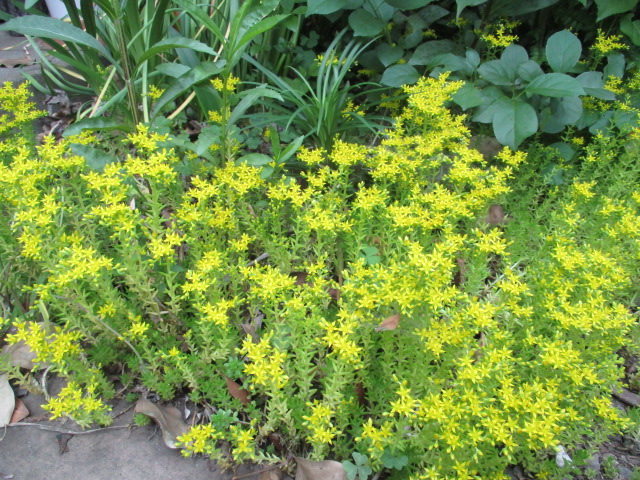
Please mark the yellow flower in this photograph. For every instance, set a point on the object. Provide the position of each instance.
(605, 44)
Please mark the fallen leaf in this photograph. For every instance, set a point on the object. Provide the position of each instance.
(7, 401)
(20, 412)
(361, 395)
(325, 470)
(389, 323)
(301, 277)
(627, 397)
(272, 474)
(237, 391)
(461, 274)
(20, 355)
(334, 293)
(496, 215)
(168, 418)
(63, 442)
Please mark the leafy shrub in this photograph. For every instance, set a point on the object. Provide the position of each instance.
(368, 308)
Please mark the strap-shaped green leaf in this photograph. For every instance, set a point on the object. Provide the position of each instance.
(45, 27)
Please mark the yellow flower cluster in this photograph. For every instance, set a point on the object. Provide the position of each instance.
(227, 85)
(319, 423)
(82, 406)
(199, 439)
(605, 44)
(501, 34)
(266, 363)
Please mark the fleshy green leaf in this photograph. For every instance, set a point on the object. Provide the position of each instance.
(514, 121)
(364, 24)
(606, 8)
(563, 51)
(555, 85)
(399, 75)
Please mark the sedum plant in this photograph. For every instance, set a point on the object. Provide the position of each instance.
(365, 311)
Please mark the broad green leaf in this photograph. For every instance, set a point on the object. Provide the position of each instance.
(249, 99)
(513, 56)
(555, 85)
(29, 3)
(615, 65)
(472, 57)
(409, 4)
(631, 28)
(197, 74)
(563, 51)
(390, 461)
(45, 27)
(399, 75)
(462, 4)
(175, 42)
(593, 85)
(323, 7)
(358, 457)
(97, 123)
(388, 55)
(565, 150)
(468, 97)
(497, 72)
(364, 24)
(291, 149)
(429, 52)
(256, 159)
(511, 8)
(171, 69)
(455, 63)
(492, 97)
(561, 112)
(379, 9)
(95, 158)
(606, 8)
(529, 70)
(514, 121)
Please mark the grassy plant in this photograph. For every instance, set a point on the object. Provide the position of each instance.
(327, 108)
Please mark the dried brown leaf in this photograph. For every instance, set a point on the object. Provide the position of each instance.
(361, 394)
(334, 293)
(496, 215)
(20, 355)
(237, 391)
(20, 412)
(389, 323)
(325, 470)
(168, 418)
(63, 442)
(7, 401)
